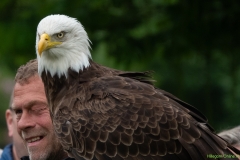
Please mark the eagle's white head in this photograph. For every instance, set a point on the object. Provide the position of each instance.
(61, 43)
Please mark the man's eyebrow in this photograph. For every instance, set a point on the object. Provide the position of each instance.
(28, 105)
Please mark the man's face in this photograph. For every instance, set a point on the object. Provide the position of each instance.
(33, 119)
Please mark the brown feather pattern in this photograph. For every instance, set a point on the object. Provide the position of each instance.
(104, 113)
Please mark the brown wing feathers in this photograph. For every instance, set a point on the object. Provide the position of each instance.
(117, 117)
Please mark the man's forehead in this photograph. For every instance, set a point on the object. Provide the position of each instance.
(30, 81)
(29, 93)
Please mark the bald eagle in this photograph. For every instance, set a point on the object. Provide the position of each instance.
(103, 113)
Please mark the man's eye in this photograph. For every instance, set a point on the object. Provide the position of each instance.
(18, 111)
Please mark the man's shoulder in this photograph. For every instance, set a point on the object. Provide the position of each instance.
(7, 153)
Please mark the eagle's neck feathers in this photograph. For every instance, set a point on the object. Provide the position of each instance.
(57, 65)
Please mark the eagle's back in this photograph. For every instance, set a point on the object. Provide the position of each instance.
(110, 114)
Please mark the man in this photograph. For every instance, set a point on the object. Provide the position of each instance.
(16, 150)
(33, 117)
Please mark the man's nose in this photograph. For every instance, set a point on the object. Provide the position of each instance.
(26, 121)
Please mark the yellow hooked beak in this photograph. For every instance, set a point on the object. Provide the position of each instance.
(46, 43)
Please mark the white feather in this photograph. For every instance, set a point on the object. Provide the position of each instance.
(72, 53)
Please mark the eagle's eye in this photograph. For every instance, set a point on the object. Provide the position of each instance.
(60, 35)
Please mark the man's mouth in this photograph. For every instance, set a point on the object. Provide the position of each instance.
(34, 139)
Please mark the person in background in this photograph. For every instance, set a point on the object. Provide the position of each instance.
(232, 136)
(16, 149)
(33, 117)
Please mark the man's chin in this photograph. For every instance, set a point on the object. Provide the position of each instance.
(39, 150)
(46, 151)
(34, 155)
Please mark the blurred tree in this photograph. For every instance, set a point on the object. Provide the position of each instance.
(191, 45)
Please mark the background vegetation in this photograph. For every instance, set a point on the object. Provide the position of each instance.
(193, 46)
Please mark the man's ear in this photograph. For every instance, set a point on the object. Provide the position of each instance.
(9, 120)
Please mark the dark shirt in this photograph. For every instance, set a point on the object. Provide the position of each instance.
(7, 153)
(27, 158)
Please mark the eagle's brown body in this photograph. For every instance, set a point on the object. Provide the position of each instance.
(105, 113)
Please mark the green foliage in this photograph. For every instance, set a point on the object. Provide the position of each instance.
(193, 46)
